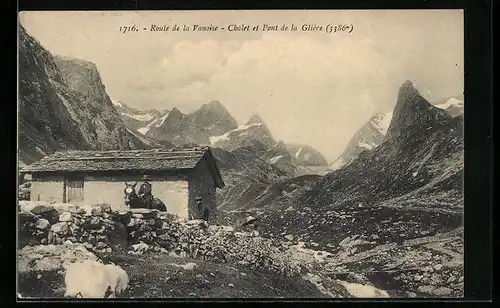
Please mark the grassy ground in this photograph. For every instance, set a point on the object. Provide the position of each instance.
(161, 276)
(157, 275)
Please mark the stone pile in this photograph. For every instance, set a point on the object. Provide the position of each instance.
(97, 230)
(24, 191)
(139, 231)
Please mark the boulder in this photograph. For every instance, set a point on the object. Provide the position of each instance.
(443, 291)
(27, 217)
(46, 211)
(104, 207)
(94, 223)
(189, 266)
(426, 289)
(345, 241)
(117, 237)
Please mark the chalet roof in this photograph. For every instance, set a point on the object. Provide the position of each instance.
(150, 160)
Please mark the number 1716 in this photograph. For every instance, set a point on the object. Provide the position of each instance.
(125, 29)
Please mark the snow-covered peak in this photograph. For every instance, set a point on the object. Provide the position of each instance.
(240, 128)
(155, 123)
(382, 121)
(452, 101)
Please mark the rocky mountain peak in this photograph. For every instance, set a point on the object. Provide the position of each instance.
(413, 112)
(215, 106)
(175, 113)
(255, 119)
(213, 118)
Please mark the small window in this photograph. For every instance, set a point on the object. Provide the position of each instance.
(74, 189)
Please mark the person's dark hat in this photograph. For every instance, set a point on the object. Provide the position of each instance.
(146, 178)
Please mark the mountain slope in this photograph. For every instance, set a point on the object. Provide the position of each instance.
(243, 135)
(306, 155)
(176, 128)
(279, 157)
(246, 176)
(374, 131)
(367, 138)
(406, 195)
(63, 105)
(137, 119)
(95, 113)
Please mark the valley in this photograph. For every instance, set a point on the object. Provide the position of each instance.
(387, 213)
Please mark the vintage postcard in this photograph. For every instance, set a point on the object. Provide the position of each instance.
(241, 154)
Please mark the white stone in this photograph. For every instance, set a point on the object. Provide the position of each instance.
(189, 266)
(42, 224)
(65, 217)
(60, 228)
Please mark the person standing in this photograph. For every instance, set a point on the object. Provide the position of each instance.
(202, 209)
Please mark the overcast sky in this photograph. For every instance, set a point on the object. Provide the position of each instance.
(310, 88)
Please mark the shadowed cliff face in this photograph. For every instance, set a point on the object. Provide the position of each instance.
(63, 105)
(413, 113)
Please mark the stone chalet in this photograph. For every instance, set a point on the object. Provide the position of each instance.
(178, 176)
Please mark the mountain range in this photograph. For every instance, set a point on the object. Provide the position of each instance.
(374, 132)
(63, 104)
(213, 125)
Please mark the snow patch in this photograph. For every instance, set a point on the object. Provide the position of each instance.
(162, 120)
(298, 153)
(382, 122)
(366, 146)
(275, 159)
(140, 137)
(364, 291)
(299, 253)
(157, 123)
(215, 139)
(450, 102)
(225, 136)
(139, 117)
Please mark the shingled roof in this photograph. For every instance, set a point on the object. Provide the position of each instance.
(150, 160)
